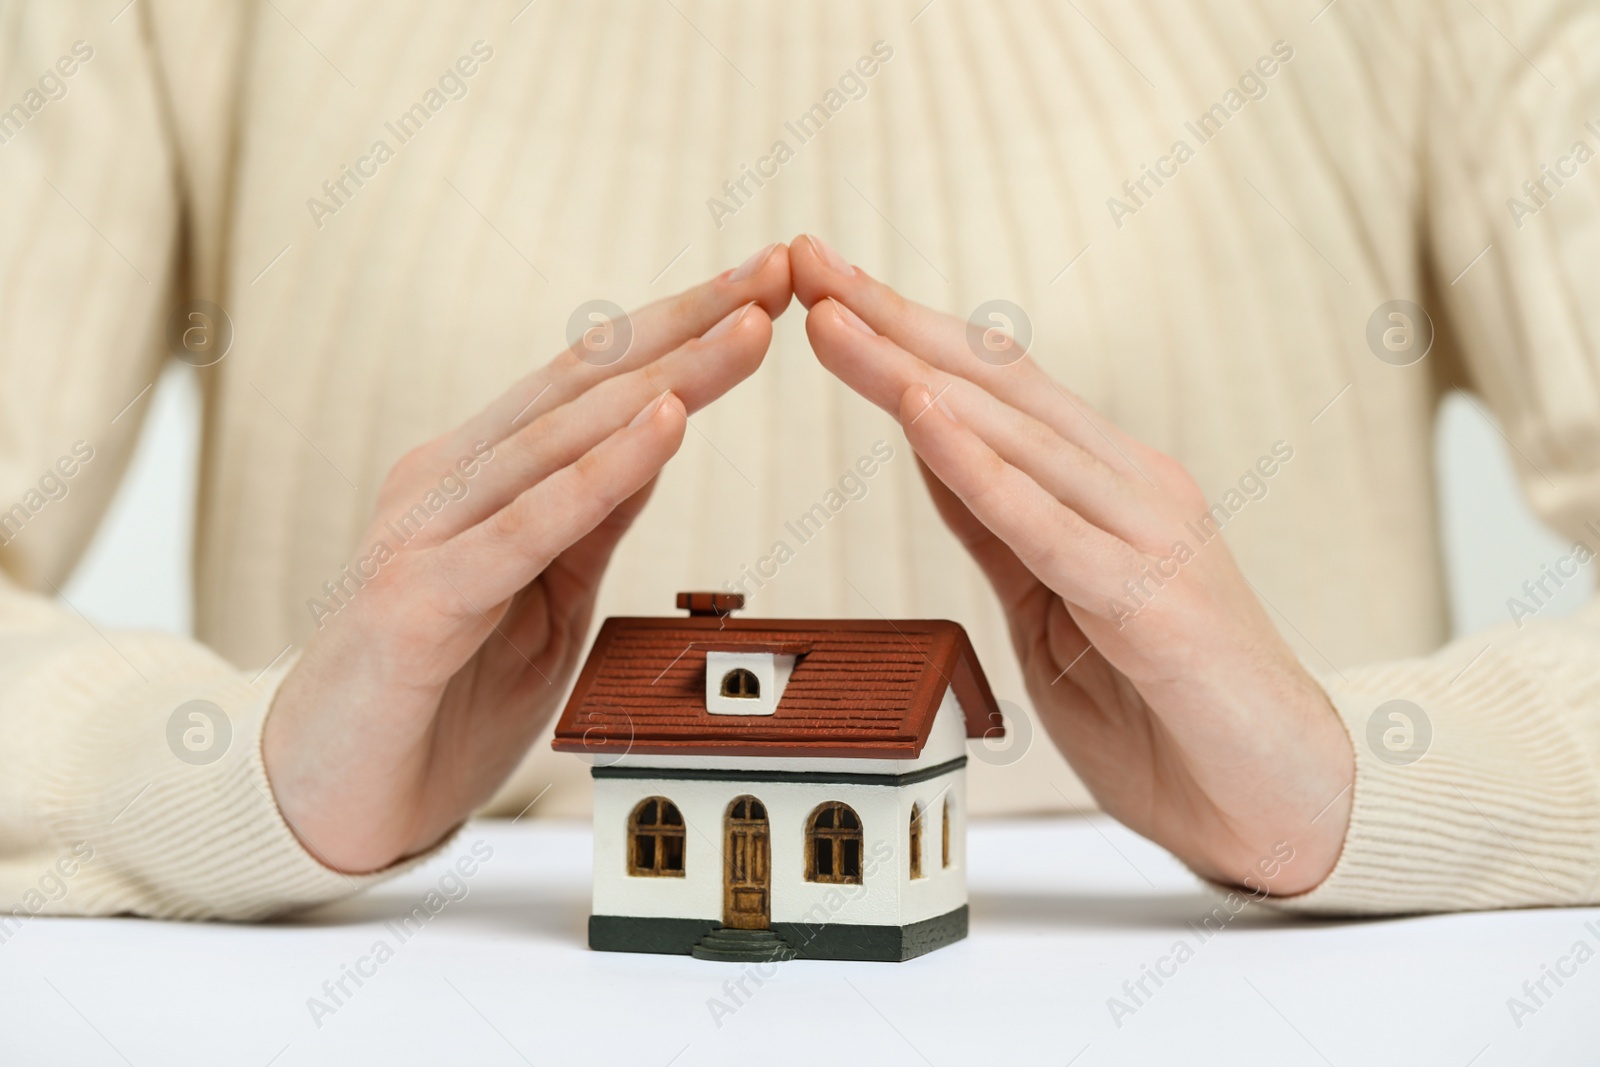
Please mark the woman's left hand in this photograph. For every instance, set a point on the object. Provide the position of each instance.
(1179, 704)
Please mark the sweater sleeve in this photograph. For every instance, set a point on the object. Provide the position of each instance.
(1477, 778)
(131, 778)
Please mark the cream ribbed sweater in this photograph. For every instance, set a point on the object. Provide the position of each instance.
(1221, 309)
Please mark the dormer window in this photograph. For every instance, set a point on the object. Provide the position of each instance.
(745, 683)
(741, 685)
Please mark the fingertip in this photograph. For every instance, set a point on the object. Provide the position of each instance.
(765, 278)
(759, 316)
(915, 402)
(778, 290)
(831, 326)
(818, 270)
(849, 318)
(819, 320)
(647, 412)
(673, 418)
(753, 336)
(745, 327)
(781, 253)
(804, 273)
(663, 419)
(919, 403)
(668, 406)
(729, 322)
(752, 266)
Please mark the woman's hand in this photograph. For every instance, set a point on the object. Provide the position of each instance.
(420, 695)
(1175, 699)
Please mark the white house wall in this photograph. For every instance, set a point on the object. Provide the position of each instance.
(704, 804)
(886, 896)
(940, 889)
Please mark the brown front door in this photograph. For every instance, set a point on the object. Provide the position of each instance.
(747, 867)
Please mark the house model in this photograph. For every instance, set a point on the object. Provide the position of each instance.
(768, 789)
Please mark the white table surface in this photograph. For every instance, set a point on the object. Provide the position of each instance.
(1063, 912)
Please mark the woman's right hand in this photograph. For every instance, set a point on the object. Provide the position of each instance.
(1193, 722)
(418, 698)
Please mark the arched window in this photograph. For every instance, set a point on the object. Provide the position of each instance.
(655, 839)
(916, 840)
(833, 845)
(741, 684)
(945, 832)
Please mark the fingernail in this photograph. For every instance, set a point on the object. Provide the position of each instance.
(648, 410)
(751, 265)
(831, 259)
(729, 321)
(851, 317)
(929, 400)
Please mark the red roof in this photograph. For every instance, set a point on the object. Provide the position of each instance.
(859, 688)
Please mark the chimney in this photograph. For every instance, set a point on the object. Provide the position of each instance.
(710, 604)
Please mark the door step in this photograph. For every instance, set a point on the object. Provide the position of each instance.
(728, 945)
